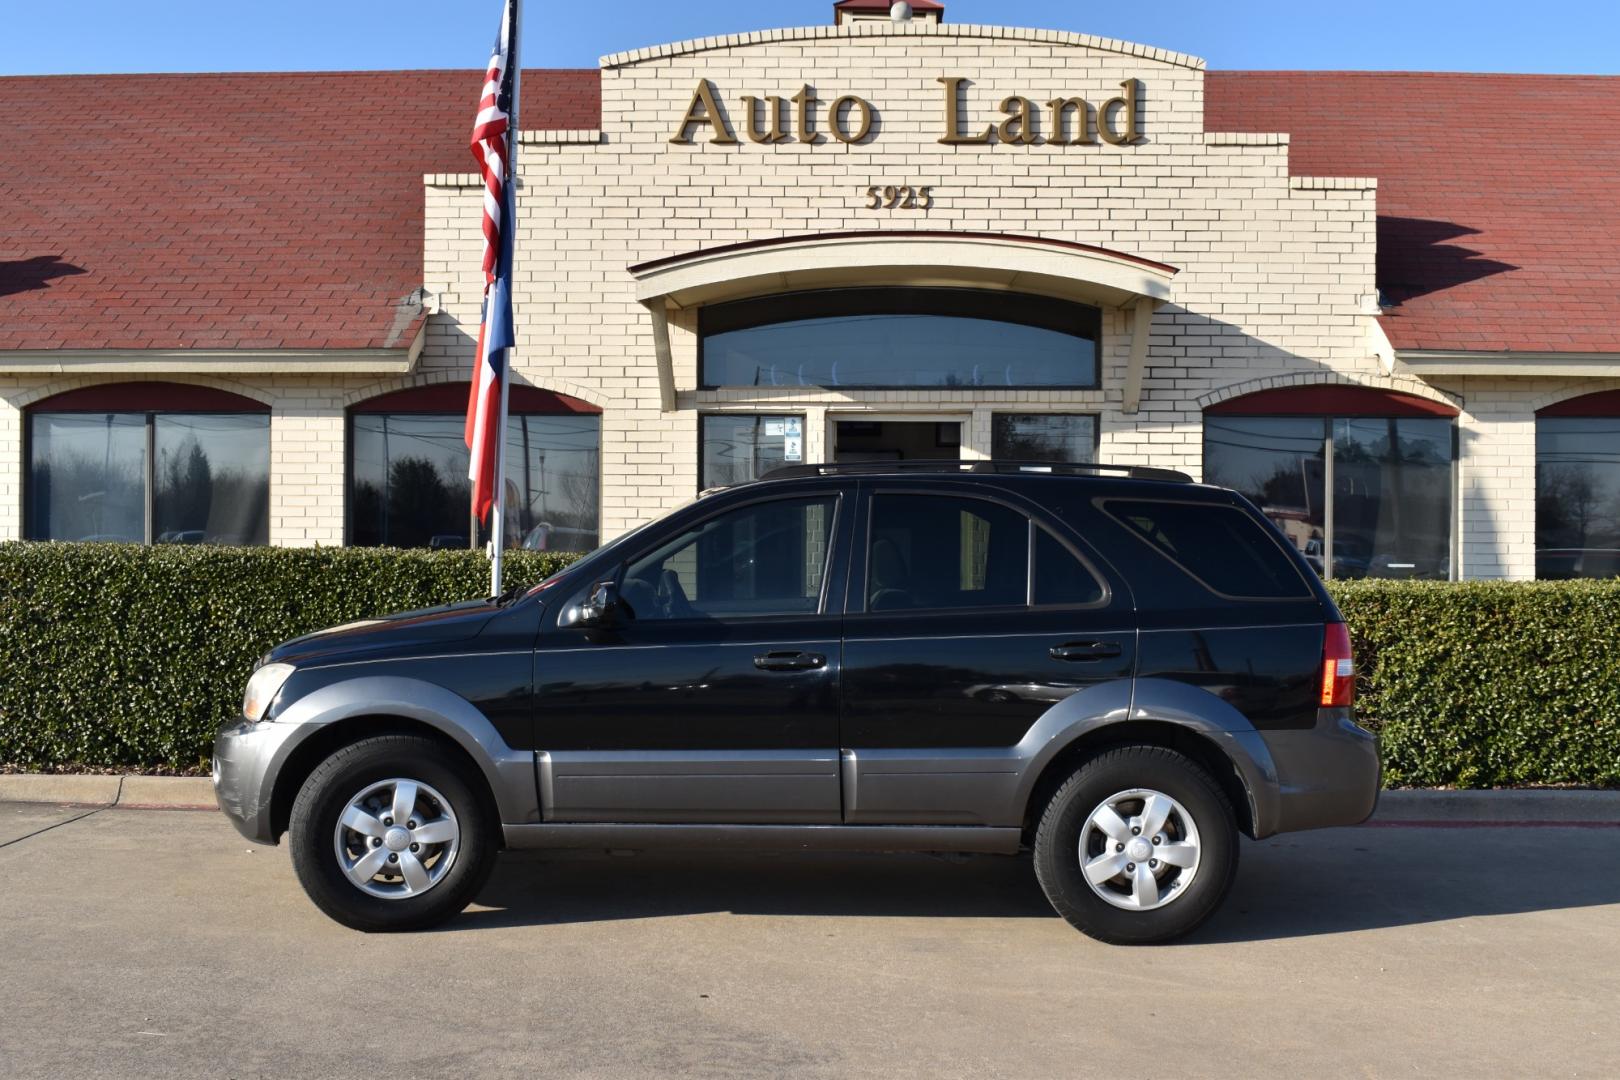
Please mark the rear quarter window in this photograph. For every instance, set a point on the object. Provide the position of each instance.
(1221, 547)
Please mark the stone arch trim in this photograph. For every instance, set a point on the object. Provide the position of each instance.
(572, 388)
(913, 29)
(78, 382)
(1406, 384)
(1567, 393)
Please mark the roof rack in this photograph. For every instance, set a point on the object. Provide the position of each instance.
(955, 465)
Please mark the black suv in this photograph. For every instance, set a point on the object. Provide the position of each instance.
(1114, 667)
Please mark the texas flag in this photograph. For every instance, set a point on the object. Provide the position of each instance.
(493, 133)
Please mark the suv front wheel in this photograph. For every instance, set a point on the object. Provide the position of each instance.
(386, 834)
(1138, 846)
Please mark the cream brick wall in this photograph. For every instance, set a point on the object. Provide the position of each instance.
(1276, 275)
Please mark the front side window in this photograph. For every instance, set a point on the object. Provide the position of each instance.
(899, 337)
(931, 552)
(1389, 504)
(408, 484)
(154, 477)
(738, 448)
(1057, 437)
(767, 558)
(1577, 497)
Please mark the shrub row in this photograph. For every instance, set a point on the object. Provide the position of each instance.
(124, 656)
(1485, 684)
(129, 657)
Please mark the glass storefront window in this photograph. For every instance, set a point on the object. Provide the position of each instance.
(739, 448)
(1577, 497)
(1070, 437)
(1390, 505)
(408, 483)
(898, 337)
(209, 480)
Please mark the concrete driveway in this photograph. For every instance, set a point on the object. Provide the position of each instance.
(157, 943)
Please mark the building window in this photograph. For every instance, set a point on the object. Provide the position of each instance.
(735, 448)
(1578, 488)
(899, 337)
(1362, 491)
(1070, 437)
(408, 464)
(163, 463)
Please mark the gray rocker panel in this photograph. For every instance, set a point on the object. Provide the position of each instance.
(690, 786)
(642, 836)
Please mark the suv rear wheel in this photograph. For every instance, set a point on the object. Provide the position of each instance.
(388, 835)
(1138, 846)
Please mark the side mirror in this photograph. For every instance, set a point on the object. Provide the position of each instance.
(599, 607)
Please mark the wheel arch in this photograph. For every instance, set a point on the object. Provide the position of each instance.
(328, 739)
(345, 711)
(1146, 732)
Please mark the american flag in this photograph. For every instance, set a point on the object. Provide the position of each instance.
(492, 147)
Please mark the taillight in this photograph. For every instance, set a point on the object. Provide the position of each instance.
(1338, 669)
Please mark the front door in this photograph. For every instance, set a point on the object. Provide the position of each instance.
(714, 695)
(968, 620)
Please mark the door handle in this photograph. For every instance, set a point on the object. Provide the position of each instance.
(1086, 650)
(789, 661)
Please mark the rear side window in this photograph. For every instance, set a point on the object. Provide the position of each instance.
(1060, 578)
(1225, 549)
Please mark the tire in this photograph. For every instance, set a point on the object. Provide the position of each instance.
(426, 872)
(1135, 905)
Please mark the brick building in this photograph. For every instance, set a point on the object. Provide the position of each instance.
(1381, 304)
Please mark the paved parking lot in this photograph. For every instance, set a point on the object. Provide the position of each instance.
(156, 943)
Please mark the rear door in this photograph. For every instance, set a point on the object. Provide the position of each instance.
(971, 614)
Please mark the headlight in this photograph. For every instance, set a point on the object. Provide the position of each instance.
(262, 689)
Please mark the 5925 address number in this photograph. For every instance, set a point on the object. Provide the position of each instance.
(899, 197)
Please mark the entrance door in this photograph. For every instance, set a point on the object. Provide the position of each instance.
(896, 440)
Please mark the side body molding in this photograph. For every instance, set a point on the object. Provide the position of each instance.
(992, 786)
(509, 772)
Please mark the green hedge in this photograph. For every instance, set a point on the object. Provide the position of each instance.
(120, 656)
(117, 655)
(1485, 684)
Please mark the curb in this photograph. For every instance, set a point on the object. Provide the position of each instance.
(1508, 806)
(131, 792)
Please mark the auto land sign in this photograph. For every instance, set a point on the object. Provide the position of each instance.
(1061, 121)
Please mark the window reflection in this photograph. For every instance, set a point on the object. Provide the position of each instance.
(1577, 497)
(1043, 437)
(1391, 499)
(740, 448)
(87, 477)
(210, 481)
(899, 338)
(409, 485)
(1279, 464)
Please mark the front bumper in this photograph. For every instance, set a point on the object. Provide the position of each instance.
(244, 756)
(1326, 775)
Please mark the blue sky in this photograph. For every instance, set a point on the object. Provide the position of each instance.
(40, 37)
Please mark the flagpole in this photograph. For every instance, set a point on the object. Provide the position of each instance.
(497, 531)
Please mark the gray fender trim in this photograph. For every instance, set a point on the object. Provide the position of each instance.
(509, 772)
(1197, 709)
(1154, 700)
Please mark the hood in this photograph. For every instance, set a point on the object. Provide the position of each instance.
(426, 627)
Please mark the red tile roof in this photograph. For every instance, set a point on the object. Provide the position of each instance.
(244, 211)
(1498, 195)
(285, 210)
